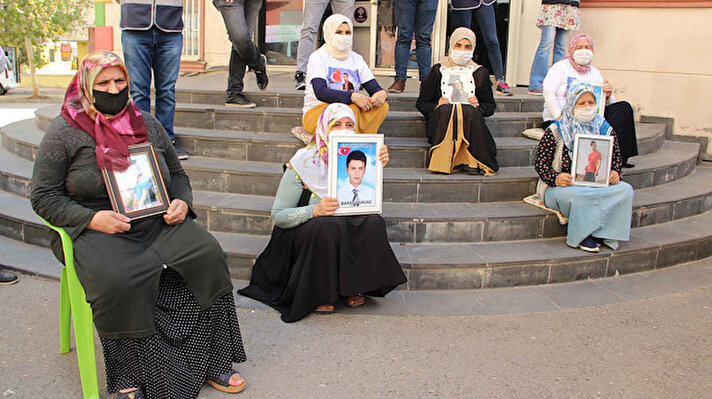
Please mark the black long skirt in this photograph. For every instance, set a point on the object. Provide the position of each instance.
(321, 261)
(475, 131)
(620, 116)
(192, 345)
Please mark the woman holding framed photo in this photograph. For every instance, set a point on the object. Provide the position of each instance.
(456, 126)
(578, 66)
(159, 287)
(596, 214)
(313, 258)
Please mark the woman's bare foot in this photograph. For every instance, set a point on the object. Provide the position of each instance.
(236, 380)
(325, 308)
(355, 301)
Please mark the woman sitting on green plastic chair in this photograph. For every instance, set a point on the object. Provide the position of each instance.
(159, 287)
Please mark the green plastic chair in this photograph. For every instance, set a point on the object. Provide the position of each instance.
(72, 301)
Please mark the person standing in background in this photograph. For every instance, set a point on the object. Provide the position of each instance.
(311, 17)
(413, 16)
(152, 40)
(556, 18)
(483, 10)
(240, 17)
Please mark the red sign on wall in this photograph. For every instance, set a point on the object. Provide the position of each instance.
(66, 51)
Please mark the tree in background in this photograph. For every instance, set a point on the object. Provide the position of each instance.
(28, 24)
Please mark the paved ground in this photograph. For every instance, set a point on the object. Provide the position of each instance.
(650, 348)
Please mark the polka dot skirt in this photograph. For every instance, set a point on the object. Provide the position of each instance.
(191, 345)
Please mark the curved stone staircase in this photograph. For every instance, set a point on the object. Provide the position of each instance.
(449, 232)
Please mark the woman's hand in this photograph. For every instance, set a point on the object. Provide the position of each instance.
(326, 207)
(443, 101)
(383, 155)
(379, 98)
(614, 177)
(109, 222)
(473, 101)
(176, 213)
(361, 101)
(607, 88)
(563, 180)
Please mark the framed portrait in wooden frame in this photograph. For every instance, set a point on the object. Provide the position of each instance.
(355, 173)
(139, 191)
(591, 164)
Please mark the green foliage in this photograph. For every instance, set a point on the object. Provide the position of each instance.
(40, 21)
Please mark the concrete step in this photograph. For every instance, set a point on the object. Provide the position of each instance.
(411, 222)
(282, 120)
(295, 99)
(466, 222)
(526, 262)
(673, 161)
(22, 139)
(30, 259)
(470, 264)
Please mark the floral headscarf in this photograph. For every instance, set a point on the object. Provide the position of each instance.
(331, 25)
(572, 47)
(569, 126)
(113, 134)
(311, 162)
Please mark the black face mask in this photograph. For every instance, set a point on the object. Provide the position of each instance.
(111, 104)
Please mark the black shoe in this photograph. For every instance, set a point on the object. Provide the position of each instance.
(589, 245)
(7, 277)
(182, 155)
(300, 80)
(261, 73)
(628, 165)
(238, 101)
(473, 171)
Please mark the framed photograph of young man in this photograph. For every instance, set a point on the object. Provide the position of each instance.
(139, 191)
(457, 84)
(355, 173)
(591, 164)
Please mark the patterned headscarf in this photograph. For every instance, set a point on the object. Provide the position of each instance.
(311, 162)
(331, 25)
(569, 126)
(572, 47)
(457, 35)
(113, 134)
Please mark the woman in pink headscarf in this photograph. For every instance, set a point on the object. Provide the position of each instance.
(578, 66)
(159, 287)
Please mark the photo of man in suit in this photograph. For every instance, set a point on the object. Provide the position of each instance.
(355, 193)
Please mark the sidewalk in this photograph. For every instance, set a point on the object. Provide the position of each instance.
(651, 348)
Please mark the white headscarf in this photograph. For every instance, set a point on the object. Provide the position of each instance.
(331, 25)
(311, 163)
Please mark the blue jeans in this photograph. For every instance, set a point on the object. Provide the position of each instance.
(240, 18)
(488, 27)
(540, 66)
(153, 49)
(418, 15)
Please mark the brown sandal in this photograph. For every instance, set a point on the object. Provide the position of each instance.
(222, 383)
(355, 301)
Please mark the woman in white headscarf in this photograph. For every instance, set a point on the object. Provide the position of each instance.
(457, 132)
(326, 72)
(314, 258)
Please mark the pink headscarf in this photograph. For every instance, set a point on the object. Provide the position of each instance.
(113, 134)
(572, 47)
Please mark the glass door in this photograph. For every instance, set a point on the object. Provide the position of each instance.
(282, 26)
(192, 17)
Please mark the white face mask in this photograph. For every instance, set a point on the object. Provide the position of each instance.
(583, 56)
(585, 114)
(460, 57)
(341, 131)
(342, 42)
